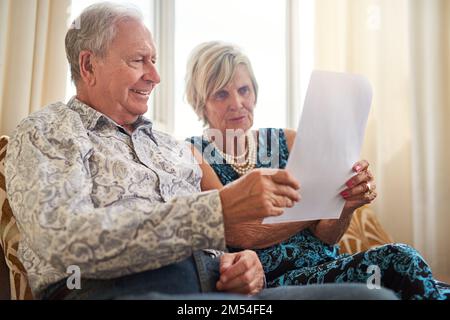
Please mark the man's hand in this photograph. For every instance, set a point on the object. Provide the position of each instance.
(260, 193)
(241, 272)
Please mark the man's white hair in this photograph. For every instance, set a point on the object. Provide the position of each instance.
(95, 29)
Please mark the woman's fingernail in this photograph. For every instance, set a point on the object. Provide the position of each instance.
(350, 184)
(344, 194)
(357, 168)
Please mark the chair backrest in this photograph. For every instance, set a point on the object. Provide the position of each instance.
(364, 232)
(14, 271)
(5, 293)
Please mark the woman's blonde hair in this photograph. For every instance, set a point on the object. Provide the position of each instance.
(211, 66)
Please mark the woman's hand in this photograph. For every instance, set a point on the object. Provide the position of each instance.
(361, 188)
(241, 272)
(360, 191)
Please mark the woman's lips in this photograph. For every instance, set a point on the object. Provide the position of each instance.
(237, 119)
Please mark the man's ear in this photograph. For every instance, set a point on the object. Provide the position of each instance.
(86, 61)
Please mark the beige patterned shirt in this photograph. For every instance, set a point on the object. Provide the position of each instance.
(86, 193)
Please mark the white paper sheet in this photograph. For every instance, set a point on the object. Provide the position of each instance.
(328, 144)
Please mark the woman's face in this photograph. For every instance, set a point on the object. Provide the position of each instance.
(232, 107)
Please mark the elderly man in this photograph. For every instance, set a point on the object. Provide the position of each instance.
(95, 189)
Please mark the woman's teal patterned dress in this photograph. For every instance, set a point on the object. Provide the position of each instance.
(304, 259)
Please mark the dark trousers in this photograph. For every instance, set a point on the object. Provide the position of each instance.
(195, 279)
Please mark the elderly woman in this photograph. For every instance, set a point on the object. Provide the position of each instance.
(222, 89)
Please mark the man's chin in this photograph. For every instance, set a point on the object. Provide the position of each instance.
(138, 109)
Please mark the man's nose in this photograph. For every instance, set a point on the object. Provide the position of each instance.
(151, 73)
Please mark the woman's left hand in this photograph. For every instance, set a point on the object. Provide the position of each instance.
(360, 188)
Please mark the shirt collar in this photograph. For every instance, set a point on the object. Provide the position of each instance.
(91, 118)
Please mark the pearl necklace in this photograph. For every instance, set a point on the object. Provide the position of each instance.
(241, 167)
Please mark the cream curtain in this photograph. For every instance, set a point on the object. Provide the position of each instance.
(33, 67)
(430, 69)
(403, 48)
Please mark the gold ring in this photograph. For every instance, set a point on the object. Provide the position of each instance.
(369, 190)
